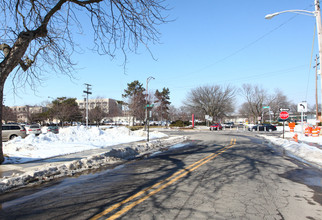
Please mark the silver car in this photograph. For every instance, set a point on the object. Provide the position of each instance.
(34, 129)
(10, 131)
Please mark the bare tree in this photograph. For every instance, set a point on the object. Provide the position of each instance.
(245, 110)
(276, 101)
(8, 114)
(182, 113)
(96, 115)
(115, 108)
(255, 97)
(293, 108)
(216, 101)
(37, 35)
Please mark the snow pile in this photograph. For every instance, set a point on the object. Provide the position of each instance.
(75, 139)
(69, 140)
(301, 151)
(51, 171)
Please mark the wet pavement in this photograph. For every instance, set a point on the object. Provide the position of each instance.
(309, 176)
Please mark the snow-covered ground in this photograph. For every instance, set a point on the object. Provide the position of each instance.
(69, 140)
(77, 139)
(303, 150)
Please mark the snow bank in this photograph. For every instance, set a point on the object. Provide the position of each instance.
(302, 151)
(69, 140)
(72, 140)
(51, 171)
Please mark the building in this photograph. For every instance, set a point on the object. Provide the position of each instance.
(111, 107)
(24, 112)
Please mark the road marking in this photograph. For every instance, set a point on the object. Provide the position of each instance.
(158, 186)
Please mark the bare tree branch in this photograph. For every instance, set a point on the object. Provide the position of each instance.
(37, 36)
(216, 101)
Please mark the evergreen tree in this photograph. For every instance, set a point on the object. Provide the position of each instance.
(136, 99)
(163, 98)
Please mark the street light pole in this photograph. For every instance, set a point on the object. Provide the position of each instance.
(146, 101)
(317, 15)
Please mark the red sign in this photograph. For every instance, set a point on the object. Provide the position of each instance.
(193, 120)
(284, 115)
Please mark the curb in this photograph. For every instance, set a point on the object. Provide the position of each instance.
(49, 171)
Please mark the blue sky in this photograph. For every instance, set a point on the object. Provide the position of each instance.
(210, 42)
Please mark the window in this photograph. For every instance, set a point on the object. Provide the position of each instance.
(4, 128)
(14, 127)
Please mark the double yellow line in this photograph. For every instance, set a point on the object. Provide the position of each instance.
(159, 186)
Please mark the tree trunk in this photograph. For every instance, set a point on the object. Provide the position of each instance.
(1, 108)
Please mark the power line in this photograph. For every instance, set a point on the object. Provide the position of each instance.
(87, 92)
(252, 77)
(238, 50)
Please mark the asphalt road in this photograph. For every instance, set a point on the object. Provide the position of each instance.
(218, 175)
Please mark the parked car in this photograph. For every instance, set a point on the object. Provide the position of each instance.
(216, 126)
(263, 127)
(34, 129)
(229, 125)
(10, 131)
(53, 129)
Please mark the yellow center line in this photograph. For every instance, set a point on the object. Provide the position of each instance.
(184, 172)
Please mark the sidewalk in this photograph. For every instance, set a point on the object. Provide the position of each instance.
(13, 176)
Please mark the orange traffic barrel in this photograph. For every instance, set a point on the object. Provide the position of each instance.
(307, 131)
(315, 133)
(296, 138)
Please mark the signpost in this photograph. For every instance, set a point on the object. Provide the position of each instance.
(208, 119)
(269, 113)
(302, 107)
(284, 115)
(148, 107)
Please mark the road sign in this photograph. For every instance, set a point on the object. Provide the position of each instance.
(265, 106)
(284, 109)
(208, 117)
(302, 107)
(149, 106)
(284, 115)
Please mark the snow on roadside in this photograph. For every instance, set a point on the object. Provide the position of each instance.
(75, 139)
(69, 140)
(302, 151)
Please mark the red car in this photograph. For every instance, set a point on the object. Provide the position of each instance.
(216, 126)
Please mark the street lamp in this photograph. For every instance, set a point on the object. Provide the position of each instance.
(317, 15)
(302, 12)
(146, 100)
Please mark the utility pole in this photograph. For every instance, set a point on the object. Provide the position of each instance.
(147, 101)
(319, 30)
(316, 89)
(317, 15)
(87, 92)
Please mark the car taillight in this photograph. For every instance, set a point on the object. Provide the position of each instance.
(30, 130)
